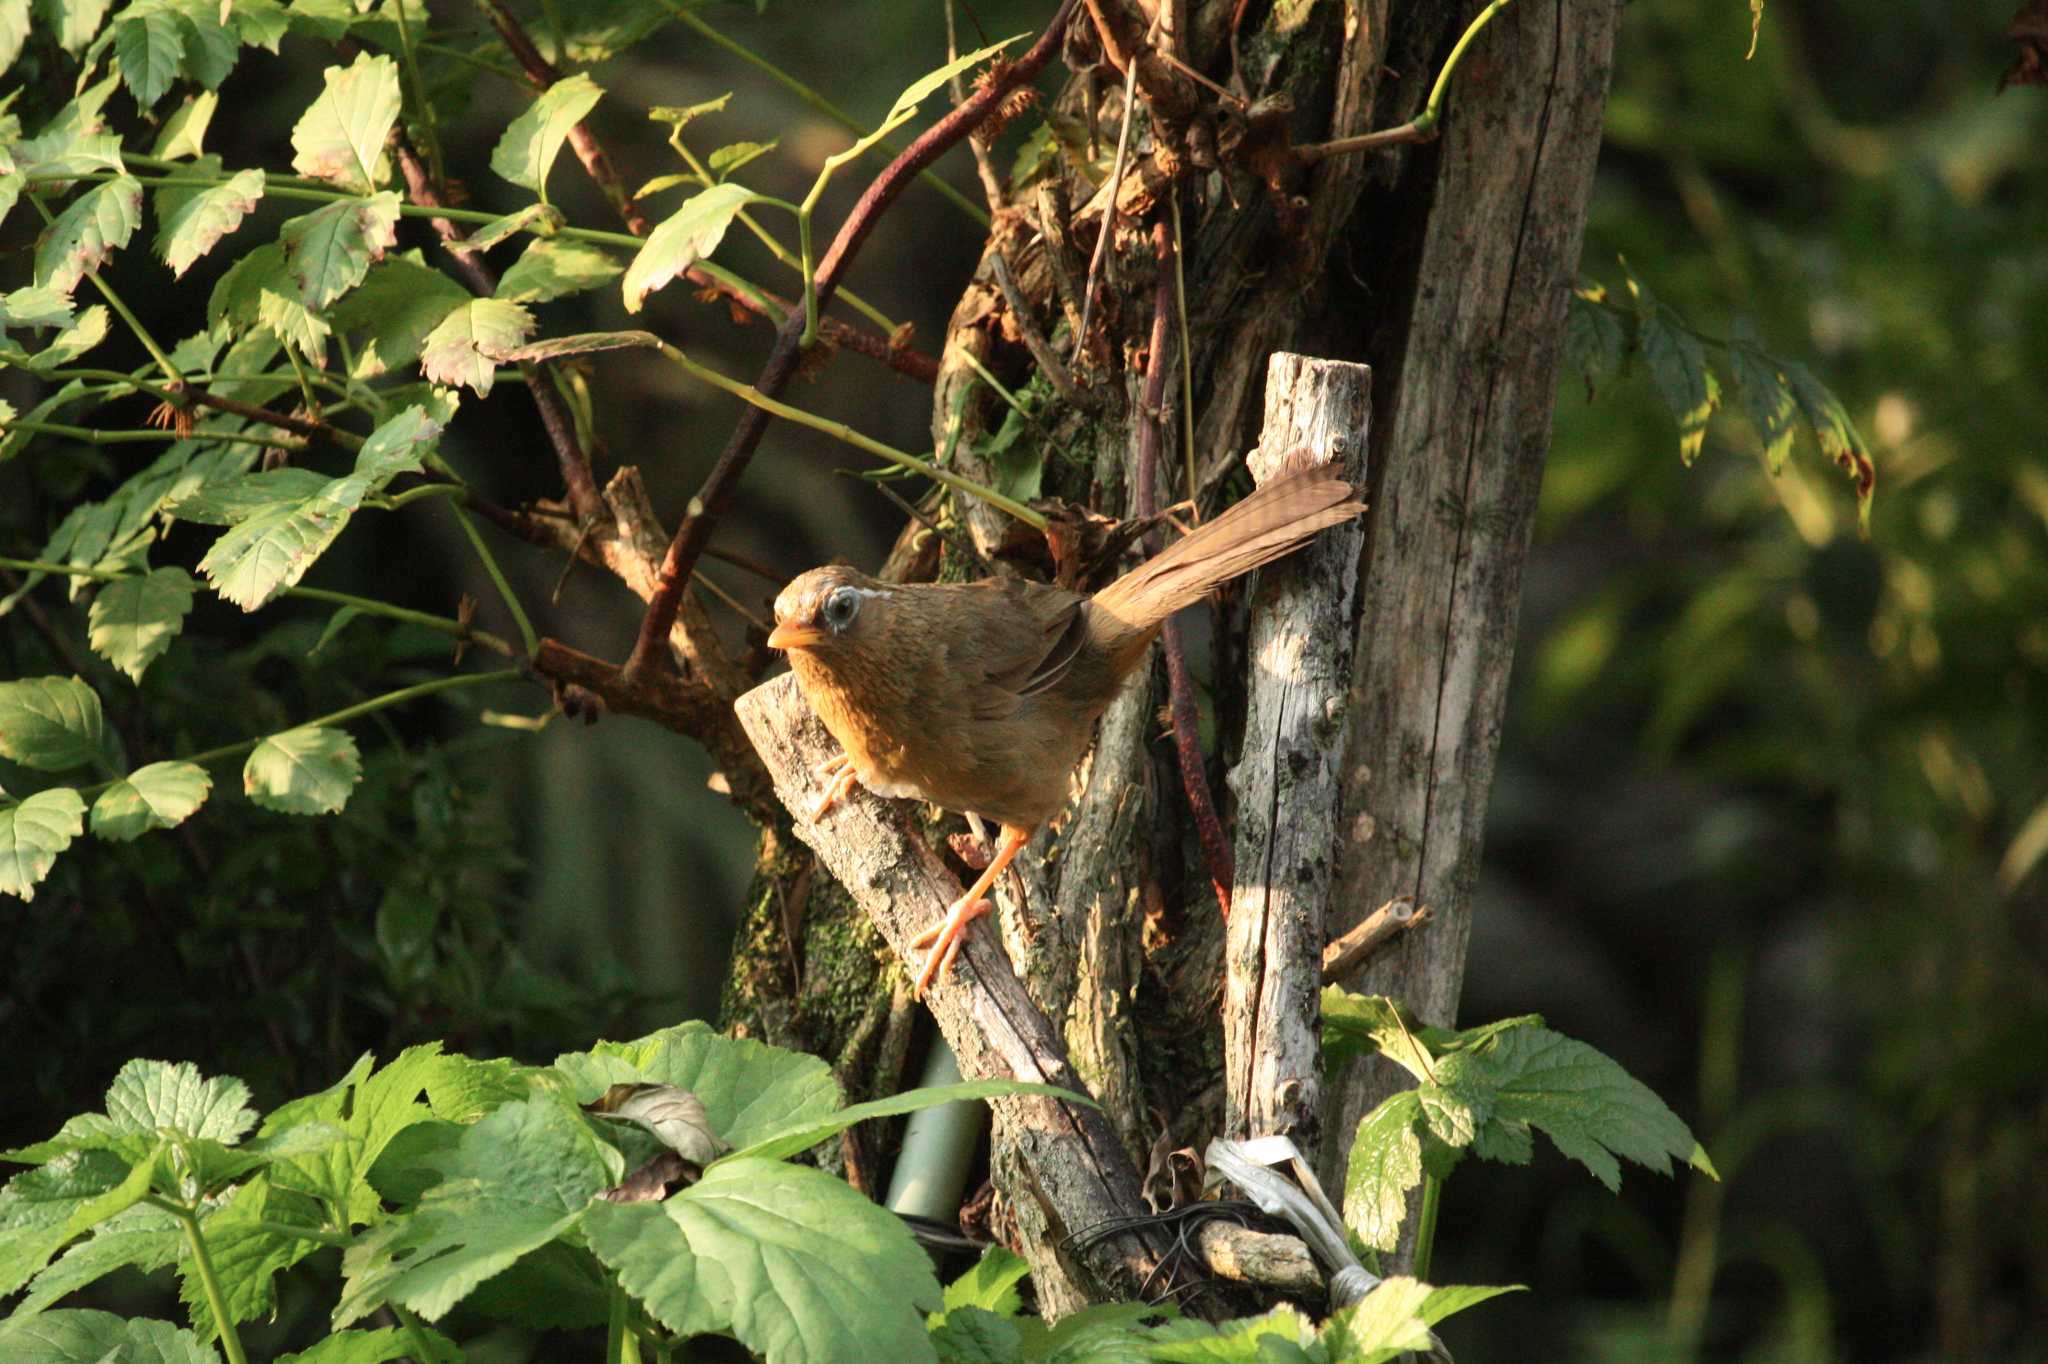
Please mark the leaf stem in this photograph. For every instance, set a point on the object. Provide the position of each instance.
(1423, 126)
(615, 1327)
(94, 436)
(841, 431)
(230, 1341)
(156, 352)
(420, 1344)
(824, 106)
(370, 606)
(483, 552)
(1425, 1224)
(428, 123)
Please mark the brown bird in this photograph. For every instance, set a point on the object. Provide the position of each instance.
(982, 697)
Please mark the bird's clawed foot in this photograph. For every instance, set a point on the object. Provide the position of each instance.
(945, 939)
(839, 773)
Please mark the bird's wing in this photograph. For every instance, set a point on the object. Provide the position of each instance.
(1025, 636)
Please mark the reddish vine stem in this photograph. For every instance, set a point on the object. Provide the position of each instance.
(597, 164)
(570, 456)
(711, 501)
(1187, 731)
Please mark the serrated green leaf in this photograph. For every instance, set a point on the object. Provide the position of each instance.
(78, 1336)
(790, 1260)
(372, 1110)
(688, 235)
(32, 833)
(75, 340)
(530, 144)
(395, 309)
(226, 502)
(594, 30)
(927, 85)
(329, 250)
(1588, 1106)
(750, 1091)
(74, 21)
(211, 49)
(1768, 402)
(150, 47)
(1593, 342)
(1385, 1163)
(1365, 1025)
(991, 1284)
(801, 1136)
(247, 1254)
(303, 771)
(133, 620)
(143, 1238)
(519, 1178)
(1833, 428)
(184, 131)
(373, 1347)
(556, 268)
(86, 235)
(14, 22)
(236, 294)
(269, 551)
(340, 138)
(974, 1335)
(158, 796)
(1387, 1323)
(399, 445)
(50, 723)
(1276, 1337)
(465, 347)
(1678, 367)
(193, 223)
(543, 220)
(1452, 1299)
(149, 1096)
(31, 306)
(727, 159)
(678, 116)
(37, 1205)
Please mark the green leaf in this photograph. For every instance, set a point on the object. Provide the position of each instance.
(974, 1335)
(247, 1255)
(86, 235)
(801, 1136)
(133, 620)
(1839, 439)
(1454, 1298)
(466, 346)
(303, 771)
(74, 21)
(1678, 366)
(340, 138)
(1386, 1324)
(371, 1347)
(142, 1237)
(31, 306)
(211, 49)
(790, 1260)
(556, 268)
(750, 1091)
(149, 1096)
(1593, 341)
(398, 446)
(329, 250)
(1385, 1163)
(184, 131)
(372, 1110)
(83, 1337)
(81, 336)
(158, 796)
(542, 220)
(1590, 1107)
(1278, 1335)
(396, 308)
(14, 25)
(991, 1284)
(230, 501)
(1769, 403)
(688, 235)
(1368, 1025)
(725, 160)
(528, 148)
(50, 723)
(191, 224)
(519, 1178)
(271, 550)
(150, 47)
(927, 85)
(38, 1206)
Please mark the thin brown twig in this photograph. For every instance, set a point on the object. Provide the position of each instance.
(716, 495)
(1049, 363)
(991, 182)
(1116, 181)
(1187, 734)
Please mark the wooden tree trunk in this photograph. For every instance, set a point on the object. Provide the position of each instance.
(1445, 266)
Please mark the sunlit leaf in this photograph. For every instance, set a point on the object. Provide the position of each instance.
(556, 268)
(329, 250)
(86, 235)
(725, 160)
(528, 148)
(467, 345)
(74, 22)
(184, 131)
(191, 223)
(1839, 439)
(1678, 367)
(82, 335)
(32, 833)
(88, 1336)
(303, 771)
(133, 620)
(150, 47)
(158, 796)
(1767, 400)
(691, 233)
(50, 723)
(340, 138)
(395, 309)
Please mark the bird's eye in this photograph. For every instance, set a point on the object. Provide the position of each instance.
(841, 607)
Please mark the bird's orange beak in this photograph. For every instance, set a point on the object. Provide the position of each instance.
(786, 635)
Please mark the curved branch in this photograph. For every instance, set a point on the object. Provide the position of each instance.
(716, 495)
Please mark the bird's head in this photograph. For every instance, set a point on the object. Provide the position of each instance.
(827, 611)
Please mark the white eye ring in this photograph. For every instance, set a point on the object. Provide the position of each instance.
(841, 607)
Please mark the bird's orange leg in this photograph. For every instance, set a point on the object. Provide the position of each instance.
(944, 938)
(841, 776)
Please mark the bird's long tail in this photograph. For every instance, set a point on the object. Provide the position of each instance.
(1273, 521)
